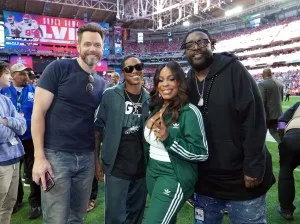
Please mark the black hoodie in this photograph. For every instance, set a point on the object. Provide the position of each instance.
(235, 127)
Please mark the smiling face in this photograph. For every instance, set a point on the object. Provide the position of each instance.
(135, 77)
(90, 48)
(167, 84)
(198, 55)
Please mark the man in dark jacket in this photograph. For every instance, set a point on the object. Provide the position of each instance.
(289, 154)
(238, 173)
(272, 94)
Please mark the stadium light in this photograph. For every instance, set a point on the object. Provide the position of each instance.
(234, 11)
(186, 23)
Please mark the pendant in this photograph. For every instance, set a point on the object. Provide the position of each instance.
(200, 102)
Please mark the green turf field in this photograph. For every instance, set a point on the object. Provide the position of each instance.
(186, 214)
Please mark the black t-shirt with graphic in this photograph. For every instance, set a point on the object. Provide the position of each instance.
(129, 163)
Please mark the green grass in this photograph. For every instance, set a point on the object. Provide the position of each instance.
(186, 214)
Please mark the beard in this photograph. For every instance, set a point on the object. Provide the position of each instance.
(90, 61)
(205, 63)
(24, 83)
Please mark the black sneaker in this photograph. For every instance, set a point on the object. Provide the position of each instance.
(26, 182)
(285, 214)
(35, 212)
(17, 206)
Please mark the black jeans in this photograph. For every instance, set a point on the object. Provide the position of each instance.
(289, 154)
(20, 187)
(287, 97)
(94, 192)
(35, 190)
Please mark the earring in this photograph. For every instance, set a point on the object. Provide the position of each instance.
(159, 95)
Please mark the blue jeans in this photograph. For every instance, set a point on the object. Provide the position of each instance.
(211, 210)
(67, 201)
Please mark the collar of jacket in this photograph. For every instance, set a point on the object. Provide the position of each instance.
(120, 90)
(220, 61)
(169, 116)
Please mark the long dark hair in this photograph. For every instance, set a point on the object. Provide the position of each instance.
(178, 102)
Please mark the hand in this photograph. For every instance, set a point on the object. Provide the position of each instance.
(161, 132)
(251, 182)
(40, 167)
(99, 171)
(4, 121)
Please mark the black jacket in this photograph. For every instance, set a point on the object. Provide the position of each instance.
(235, 126)
(289, 113)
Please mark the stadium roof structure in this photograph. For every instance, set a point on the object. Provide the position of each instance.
(141, 14)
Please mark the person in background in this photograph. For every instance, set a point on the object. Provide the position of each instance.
(21, 93)
(33, 78)
(272, 95)
(120, 120)
(12, 125)
(289, 159)
(238, 172)
(176, 142)
(287, 95)
(67, 96)
(115, 79)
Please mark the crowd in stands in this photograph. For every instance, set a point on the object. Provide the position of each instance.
(290, 78)
(260, 36)
(269, 60)
(260, 46)
(152, 47)
(261, 51)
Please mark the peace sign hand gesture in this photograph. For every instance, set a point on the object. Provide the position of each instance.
(161, 132)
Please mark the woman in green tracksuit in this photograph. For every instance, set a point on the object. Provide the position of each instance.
(175, 142)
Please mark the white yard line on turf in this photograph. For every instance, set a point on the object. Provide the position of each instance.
(269, 137)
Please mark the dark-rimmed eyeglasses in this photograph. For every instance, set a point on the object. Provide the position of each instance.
(90, 87)
(129, 68)
(192, 44)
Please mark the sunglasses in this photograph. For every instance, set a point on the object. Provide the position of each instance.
(130, 68)
(90, 87)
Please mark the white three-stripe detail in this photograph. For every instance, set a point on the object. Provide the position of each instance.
(174, 205)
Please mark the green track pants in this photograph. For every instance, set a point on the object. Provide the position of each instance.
(166, 194)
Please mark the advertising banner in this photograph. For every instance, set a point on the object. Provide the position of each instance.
(118, 40)
(101, 66)
(27, 31)
(25, 60)
(106, 50)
